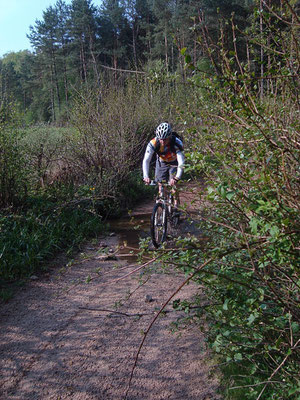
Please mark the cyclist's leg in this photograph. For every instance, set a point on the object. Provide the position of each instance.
(172, 174)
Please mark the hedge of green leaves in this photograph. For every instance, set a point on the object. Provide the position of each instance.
(27, 239)
(245, 142)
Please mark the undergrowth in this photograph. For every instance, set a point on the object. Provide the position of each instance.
(42, 227)
(29, 238)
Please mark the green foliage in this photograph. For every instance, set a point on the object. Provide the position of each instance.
(31, 237)
(236, 99)
(242, 136)
(45, 150)
(81, 45)
(112, 133)
(58, 183)
(12, 161)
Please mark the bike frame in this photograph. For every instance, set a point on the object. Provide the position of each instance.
(162, 212)
(165, 197)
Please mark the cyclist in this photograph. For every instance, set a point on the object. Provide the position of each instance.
(170, 157)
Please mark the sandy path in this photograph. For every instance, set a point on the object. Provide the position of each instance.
(55, 345)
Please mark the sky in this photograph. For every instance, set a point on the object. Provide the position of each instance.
(15, 18)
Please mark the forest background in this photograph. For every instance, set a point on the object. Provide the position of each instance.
(77, 112)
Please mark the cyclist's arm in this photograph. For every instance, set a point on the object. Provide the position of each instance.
(146, 161)
(180, 159)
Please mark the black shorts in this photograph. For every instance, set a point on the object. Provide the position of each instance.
(165, 171)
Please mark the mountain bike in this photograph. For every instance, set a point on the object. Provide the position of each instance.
(164, 212)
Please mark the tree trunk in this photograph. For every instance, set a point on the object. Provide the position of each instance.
(83, 61)
(261, 53)
(134, 37)
(166, 52)
(56, 79)
(52, 94)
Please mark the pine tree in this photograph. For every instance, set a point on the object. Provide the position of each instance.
(83, 36)
(16, 78)
(44, 40)
(64, 43)
(114, 33)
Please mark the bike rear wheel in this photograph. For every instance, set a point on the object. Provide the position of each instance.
(158, 224)
(174, 212)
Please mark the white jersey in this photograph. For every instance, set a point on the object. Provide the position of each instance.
(167, 153)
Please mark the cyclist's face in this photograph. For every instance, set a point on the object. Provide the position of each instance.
(165, 141)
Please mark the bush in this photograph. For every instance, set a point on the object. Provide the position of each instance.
(249, 154)
(12, 162)
(28, 239)
(56, 183)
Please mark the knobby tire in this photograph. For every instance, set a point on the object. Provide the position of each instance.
(174, 220)
(158, 224)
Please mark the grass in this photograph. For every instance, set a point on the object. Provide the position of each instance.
(34, 233)
(29, 238)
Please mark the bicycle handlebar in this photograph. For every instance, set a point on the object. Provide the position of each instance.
(155, 183)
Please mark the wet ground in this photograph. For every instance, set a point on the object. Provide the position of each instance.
(74, 332)
(133, 228)
(136, 224)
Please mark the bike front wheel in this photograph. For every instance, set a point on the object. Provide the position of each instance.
(158, 224)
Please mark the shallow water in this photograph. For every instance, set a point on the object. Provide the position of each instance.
(130, 230)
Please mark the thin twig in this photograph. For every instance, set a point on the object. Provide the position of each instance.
(137, 269)
(284, 20)
(255, 384)
(122, 70)
(155, 318)
(127, 297)
(114, 312)
(276, 370)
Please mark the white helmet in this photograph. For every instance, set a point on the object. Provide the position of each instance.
(163, 131)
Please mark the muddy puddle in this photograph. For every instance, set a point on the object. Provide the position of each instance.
(131, 228)
(130, 231)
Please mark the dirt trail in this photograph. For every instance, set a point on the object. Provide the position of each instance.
(64, 338)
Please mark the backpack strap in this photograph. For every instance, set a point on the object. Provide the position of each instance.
(157, 146)
(172, 144)
(173, 141)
